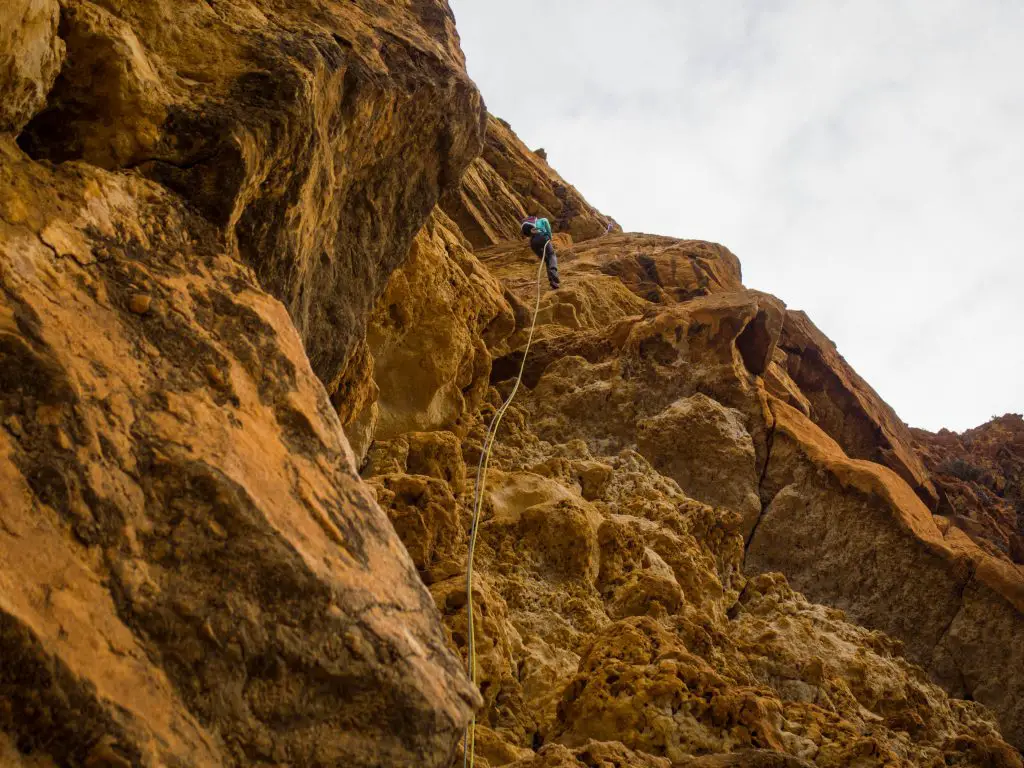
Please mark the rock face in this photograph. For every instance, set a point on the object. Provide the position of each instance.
(431, 335)
(185, 550)
(191, 571)
(847, 408)
(318, 140)
(705, 447)
(661, 460)
(850, 533)
(240, 262)
(30, 57)
(507, 184)
(980, 477)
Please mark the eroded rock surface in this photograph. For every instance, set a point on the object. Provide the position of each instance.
(980, 477)
(847, 408)
(191, 571)
(660, 458)
(431, 336)
(317, 138)
(851, 533)
(507, 183)
(30, 57)
(187, 554)
(230, 231)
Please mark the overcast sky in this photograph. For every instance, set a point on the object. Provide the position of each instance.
(865, 160)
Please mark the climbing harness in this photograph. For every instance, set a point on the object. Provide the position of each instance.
(469, 745)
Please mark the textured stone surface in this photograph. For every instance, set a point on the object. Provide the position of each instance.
(980, 477)
(595, 544)
(30, 57)
(317, 137)
(656, 269)
(706, 448)
(615, 620)
(191, 573)
(847, 408)
(852, 534)
(607, 279)
(507, 184)
(431, 334)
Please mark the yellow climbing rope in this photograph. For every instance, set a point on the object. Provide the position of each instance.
(469, 745)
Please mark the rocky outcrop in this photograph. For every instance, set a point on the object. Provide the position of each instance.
(318, 141)
(842, 404)
(602, 374)
(636, 494)
(191, 571)
(980, 478)
(706, 448)
(230, 232)
(186, 553)
(607, 279)
(431, 336)
(850, 533)
(507, 184)
(30, 57)
(448, 312)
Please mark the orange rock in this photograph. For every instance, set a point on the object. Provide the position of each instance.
(31, 60)
(140, 303)
(430, 335)
(980, 477)
(195, 560)
(193, 573)
(705, 447)
(507, 184)
(298, 134)
(851, 533)
(847, 408)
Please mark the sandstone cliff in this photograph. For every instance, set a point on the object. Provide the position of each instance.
(191, 572)
(507, 183)
(980, 475)
(682, 444)
(260, 293)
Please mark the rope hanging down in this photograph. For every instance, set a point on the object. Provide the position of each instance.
(468, 752)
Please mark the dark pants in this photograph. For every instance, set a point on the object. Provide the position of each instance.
(551, 261)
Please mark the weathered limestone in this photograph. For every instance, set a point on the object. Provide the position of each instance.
(191, 571)
(980, 478)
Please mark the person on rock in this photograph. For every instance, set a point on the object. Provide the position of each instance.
(539, 232)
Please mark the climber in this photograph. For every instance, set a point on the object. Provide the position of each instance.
(539, 232)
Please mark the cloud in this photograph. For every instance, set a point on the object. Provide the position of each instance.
(864, 159)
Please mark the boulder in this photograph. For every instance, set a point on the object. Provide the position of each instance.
(706, 448)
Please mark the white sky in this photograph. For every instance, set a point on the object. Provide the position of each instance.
(865, 160)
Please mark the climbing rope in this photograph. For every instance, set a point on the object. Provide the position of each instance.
(469, 745)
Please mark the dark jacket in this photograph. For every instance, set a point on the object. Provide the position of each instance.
(538, 242)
